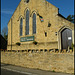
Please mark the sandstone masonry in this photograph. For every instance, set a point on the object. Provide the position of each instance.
(58, 62)
(50, 15)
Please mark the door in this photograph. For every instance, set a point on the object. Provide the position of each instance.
(66, 38)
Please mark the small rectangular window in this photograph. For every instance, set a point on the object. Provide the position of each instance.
(49, 24)
(45, 34)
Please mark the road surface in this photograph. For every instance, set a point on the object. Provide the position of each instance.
(7, 69)
(8, 72)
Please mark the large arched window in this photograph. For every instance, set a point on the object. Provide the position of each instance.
(21, 26)
(27, 22)
(34, 23)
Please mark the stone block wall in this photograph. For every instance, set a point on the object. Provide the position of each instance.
(45, 60)
(42, 45)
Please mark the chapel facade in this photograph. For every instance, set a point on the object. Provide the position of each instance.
(37, 25)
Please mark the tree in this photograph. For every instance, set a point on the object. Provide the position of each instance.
(70, 18)
(5, 32)
(6, 36)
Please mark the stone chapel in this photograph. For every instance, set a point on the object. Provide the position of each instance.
(37, 25)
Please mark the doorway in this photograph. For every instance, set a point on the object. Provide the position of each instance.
(66, 38)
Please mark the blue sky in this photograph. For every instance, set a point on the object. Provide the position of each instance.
(8, 7)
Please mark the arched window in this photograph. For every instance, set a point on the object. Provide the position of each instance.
(21, 26)
(27, 22)
(34, 23)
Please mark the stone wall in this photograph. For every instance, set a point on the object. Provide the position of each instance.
(50, 61)
(41, 45)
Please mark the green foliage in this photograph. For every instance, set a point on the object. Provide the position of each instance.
(5, 36)
(72, 45)
(5, 32)
(18, 43)
(70, 18)
(53, 70)
(35, 42)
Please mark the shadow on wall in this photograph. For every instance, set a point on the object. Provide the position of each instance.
(42, 50)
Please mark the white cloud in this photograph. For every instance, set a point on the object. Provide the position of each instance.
(7, 11)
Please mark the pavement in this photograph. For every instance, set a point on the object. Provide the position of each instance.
(7, 69)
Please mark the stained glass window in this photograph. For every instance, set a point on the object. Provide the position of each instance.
(27, 22)
(34, 23)
(21, 24)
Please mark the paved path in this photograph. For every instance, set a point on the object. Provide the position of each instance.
(7, 69)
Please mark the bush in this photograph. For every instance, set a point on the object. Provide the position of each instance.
(35, 42)
(18, 43)
(72, 45)
(53, 70)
